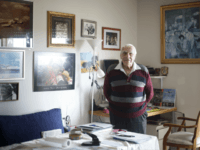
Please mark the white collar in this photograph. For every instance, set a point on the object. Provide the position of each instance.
(120, 67)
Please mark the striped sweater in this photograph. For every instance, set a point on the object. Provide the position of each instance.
(128, 95)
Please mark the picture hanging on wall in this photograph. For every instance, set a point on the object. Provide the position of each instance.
(16, 24)
(9, 92)
(88, 28)
(180, 33)
(60, 29)
(12, 64)
(87, 62)
(54, 71)
(111, 39)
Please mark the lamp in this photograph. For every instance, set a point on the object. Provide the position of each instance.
(100, 73)
(94, 43)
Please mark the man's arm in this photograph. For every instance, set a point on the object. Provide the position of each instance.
(107, 88)
(149, 89)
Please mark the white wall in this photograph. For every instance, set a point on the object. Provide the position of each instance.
(182, 77)
(120, 14)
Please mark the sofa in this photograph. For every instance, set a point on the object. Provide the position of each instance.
(21, 128)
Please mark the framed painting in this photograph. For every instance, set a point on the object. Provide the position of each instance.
(61, 29)
(111, 39)
(180, 33)
(9, 92)
(12, 64)
(88, 28)
(16, 24)
(87, 62)
(54, 71)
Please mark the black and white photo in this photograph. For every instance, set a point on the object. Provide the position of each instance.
(9, 92)
(88, 28)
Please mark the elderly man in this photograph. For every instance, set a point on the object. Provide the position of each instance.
(128, 88)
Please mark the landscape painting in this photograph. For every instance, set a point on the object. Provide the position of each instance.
(16, 24)
(12, 64)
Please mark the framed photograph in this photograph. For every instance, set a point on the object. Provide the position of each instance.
(12, 64)
(16, 24)
(61, 29)
(88, 28)
(111, 39)
(180, 33)
(9, 92)
(54, 71)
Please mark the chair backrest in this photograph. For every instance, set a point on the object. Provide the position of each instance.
(197, 130)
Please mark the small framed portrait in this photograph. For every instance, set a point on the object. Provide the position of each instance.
(9, 92)
(12, 64)
(54, 71)
(180, 33)
(111, 39)
(16, 24)
(88, 28)
(61, 29)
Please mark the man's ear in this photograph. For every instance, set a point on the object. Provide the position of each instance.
(134, 57)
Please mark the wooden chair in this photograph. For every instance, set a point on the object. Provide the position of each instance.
(182, 139)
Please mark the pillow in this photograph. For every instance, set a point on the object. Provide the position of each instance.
(17, 129)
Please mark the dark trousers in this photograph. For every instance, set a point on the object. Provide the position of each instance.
(137, 124)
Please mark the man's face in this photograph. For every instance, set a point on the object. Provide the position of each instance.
(127, 56)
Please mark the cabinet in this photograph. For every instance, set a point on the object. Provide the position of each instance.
(158, 130)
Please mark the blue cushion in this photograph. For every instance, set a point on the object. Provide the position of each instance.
(17, 129)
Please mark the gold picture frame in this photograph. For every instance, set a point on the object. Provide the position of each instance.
(180, 33)
(60, 29)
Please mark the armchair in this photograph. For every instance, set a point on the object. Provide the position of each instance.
(182, 139)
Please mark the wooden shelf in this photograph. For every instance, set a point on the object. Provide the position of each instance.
(161, 111)
(159, 77)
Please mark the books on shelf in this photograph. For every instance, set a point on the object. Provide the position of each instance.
(158, 96)
(164, 97)
(169, 96)
(95, 127)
